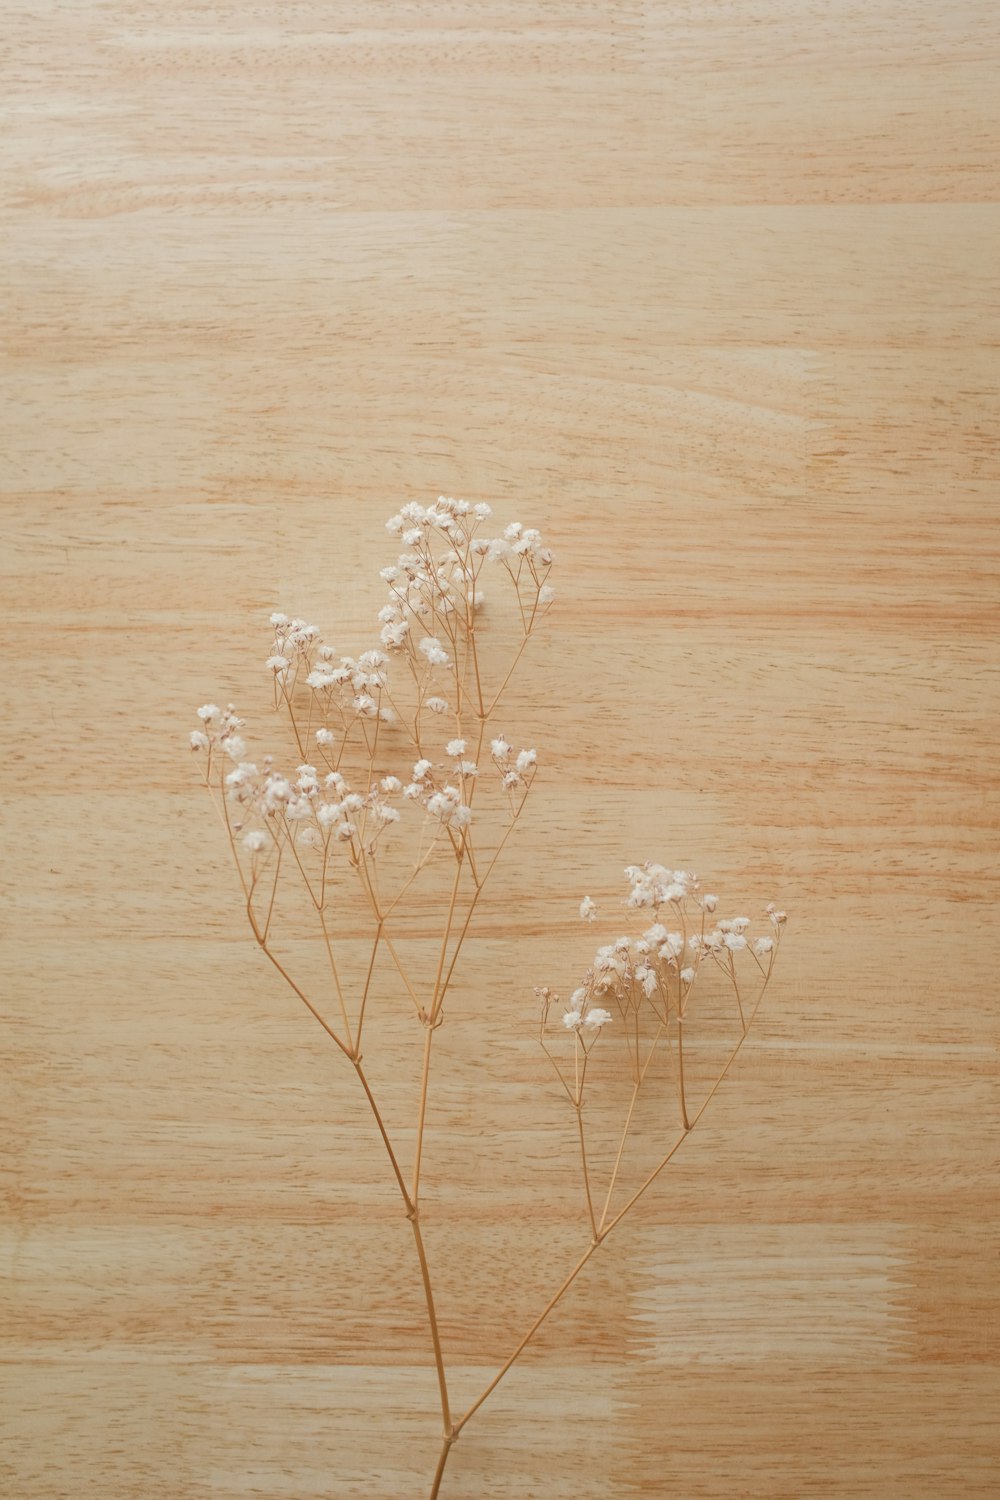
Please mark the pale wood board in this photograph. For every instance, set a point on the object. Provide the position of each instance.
(709, 293)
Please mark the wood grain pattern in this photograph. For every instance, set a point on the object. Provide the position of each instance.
(710, 294)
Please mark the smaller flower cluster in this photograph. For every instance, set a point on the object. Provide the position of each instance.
(516, 772)
(444, 802)
(659, 967)
(433, 593)
(219, 728)
(346, 687)
(310, 809)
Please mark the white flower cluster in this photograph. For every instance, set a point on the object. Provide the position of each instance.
(659, 967)
(349, 687)
(432, 593)
(516, 773)
(444, 802)
(219, 728)
(310, 809)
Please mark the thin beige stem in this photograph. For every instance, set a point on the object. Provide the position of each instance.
(446, 1446)
(365, 991)
(602, 1236)
(422, 1111)
(436, 998)
(680, 1069)
(432, 1317)
(552, 1302)
(262, 944)
(628, 1121)
(586, 1172)
(393, 1159)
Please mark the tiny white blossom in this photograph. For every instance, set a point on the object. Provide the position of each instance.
(734, 941)
(597, 1018)
(208, 712)
(462, 816)
(420, 769)
(500, 748)
(455, 747)
(431, 648)
(588, 909)
(324, 737)
(255, 841)
(277, 663)
(525, 760)
(234, 747)
(391, 784)
(763, 946)
(572, 1020)
(437, 705)
(710, 903)
(546, 594)
(687, 976)
(278, 620)
(199, 741)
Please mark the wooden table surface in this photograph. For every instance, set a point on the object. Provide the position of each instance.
(708, 293)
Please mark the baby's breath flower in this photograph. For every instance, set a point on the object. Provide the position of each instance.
(420, 769)
(455, 747)
(234, 747)
(437, 705)
(573, 1020)
(596, 1018)
(432, 649)
(525, 760)
(209, 712)
(499, 748)
(199, 740)
(390, 784)
(324, 737)
(687, 976)
(734, 941)
(763, 946)
(710, 903)
(588, 909)
(255, 841)
(277, 663)
(546, 594)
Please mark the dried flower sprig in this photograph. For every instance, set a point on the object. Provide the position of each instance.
(376, 771)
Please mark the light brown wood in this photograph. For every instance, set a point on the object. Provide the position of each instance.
(709, 294)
